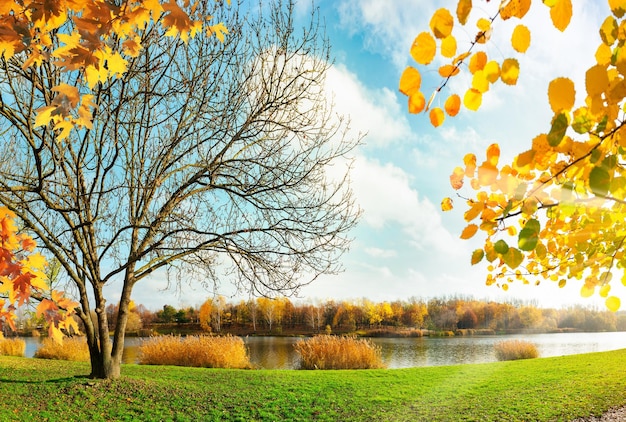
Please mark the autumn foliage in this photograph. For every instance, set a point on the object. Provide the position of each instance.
(97, 39)
(22, 279)
(557, 212)
(332, 352)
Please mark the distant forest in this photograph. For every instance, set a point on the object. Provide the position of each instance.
(283, 316)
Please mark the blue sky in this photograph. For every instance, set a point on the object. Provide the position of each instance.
(405, 246)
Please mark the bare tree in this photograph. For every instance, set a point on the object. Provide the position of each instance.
(202, 153)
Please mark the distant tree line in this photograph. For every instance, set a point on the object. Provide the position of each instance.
(282, 315)
(441, 314)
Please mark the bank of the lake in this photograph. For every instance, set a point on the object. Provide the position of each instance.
(546, 389)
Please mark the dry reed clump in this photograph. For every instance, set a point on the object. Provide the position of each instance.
(332, 352)
(200, 351)
(74, 348)
(12, 347)
(516, 349)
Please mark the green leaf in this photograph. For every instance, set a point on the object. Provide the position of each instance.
(520, 192)
(477, 256)
(558, 129)
(602, 125)
(513, 258)
(599, 181)
(529, 235)
(501, 247)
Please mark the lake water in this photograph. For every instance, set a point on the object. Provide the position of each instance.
(278, 352)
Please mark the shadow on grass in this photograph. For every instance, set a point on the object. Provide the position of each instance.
(50, 381)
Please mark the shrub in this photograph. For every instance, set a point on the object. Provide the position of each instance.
(332, 352)
(12, 347)
(515, 349)
(74, 348)
(202, 351)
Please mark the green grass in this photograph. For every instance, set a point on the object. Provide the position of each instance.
(545, 389)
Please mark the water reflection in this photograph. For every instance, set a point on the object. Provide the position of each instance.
(279, 353)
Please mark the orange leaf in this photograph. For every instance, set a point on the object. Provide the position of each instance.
(618, 7)
(493, 154)
(561, 14)
(424, 48)
(436, 117)
(477, 61)
(446, 204)
(469, 231)
(510, 71)
(520, 40)
(456, 178)
(561, 94)
(410, 81)
(441, 23)
(608, 31)
(417, 103)
(453, 105)
(463, 9)
(596, 80)
(514, 8)
(448, 70)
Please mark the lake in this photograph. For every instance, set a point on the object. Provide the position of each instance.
(278, 352)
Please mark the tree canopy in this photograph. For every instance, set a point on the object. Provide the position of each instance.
(557, 210)
(150, 140)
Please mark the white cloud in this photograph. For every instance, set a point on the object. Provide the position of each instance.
(372, 111)
(380, 253)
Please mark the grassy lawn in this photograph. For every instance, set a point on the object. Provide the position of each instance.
(532, 390)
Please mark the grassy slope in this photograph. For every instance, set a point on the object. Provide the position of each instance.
(541, 389)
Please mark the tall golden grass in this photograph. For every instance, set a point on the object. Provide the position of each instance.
(516, 349)
(338, 352)
(12, 347)
(74, 348)
(201, 351)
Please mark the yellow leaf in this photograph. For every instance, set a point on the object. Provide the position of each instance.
(469, 231)
(587, 290)
(596, 80)
(514, 8)
(520, 40)
(44, 115)
(618, 7)
(480, 82)
(561, 14)
(55, 333)
(219, 30)
(453, 105)
(448, 46)
(608, 31)
(446, 204)
(483, 24)
(510, 71)
(441, 23)
(477, 61)
(492, 71)
(561, 94)
(604, 55)
(117, 64)
(436, 117)
(613, 303)
(448, 70)
(463, 9)
(410, 81)
(417, 103)
(472, 99)
(64, 127)
(424, 48)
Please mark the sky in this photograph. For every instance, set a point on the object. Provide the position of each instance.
(405, 246)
